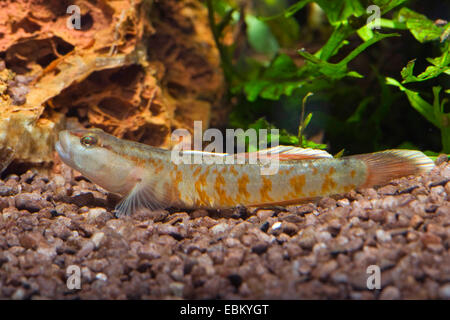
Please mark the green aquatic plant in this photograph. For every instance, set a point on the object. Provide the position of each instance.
(424, 30)
(269, 74)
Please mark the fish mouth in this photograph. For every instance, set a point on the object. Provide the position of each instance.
(62, 148)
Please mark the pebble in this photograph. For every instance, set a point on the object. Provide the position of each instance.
(429, 238)
(232, 242)
(327, 202)
(390, 293)
(383, 236)
(339, 277)
(378, 215)
(304, 209)
(411, 236)
(47, 252)
(264, 226)
(260, 248)
(199, 213)
(264, 214)
(97, 265)
(12, 239)
(389, 202)
(31, 240)
(83, 199)
(388, 190)
(416, 221)
(289, 228)
(101, 276)
(86, 274)
(220, 228)
(276, 226)
(436, 229)
(441, 159)
(19, 294)
(307, 239)
(95, 213)
(87, 248)
(343, 202)
(443, 210)
(321, 253)
(325, 269)
(6, 191)
(334, 226)
(444, 291)
(4, 203)
(323, 236)
(234, 257)
(238, 230)
(235, 279)
(358, 280)
(177, 288)
(319, 248)
(437, 191)
(31, 202)
(149, 251)
(97, 239)
(58, 180)
(18, 93)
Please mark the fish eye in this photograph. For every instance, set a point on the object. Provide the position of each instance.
(88, 141)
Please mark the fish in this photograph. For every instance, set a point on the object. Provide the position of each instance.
(147, 177)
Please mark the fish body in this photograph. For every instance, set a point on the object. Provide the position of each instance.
(148, 177)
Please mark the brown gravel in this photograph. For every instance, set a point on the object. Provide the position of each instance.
(310, 251)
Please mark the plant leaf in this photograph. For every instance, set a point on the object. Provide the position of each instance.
(423, 107)
(419, 25)
(260, 37)
(387, 5)
(440, 65)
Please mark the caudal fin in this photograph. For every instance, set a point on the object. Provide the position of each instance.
(391, 164)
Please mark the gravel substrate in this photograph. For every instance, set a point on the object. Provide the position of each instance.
(311, 251)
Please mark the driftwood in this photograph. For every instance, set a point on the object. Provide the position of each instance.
(137, 69)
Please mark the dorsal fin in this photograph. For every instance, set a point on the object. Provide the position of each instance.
(282, 152)
(293, 153)
(204, 153)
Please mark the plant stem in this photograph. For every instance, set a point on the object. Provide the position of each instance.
(302, 118)
(226, 63)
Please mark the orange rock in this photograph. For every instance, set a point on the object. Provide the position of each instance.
(135, 69)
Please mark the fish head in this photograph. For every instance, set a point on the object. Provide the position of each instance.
(98, 156)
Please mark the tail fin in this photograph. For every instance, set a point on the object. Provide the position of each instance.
(391, 164)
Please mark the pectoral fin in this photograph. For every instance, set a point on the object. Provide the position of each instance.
(143, 195)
